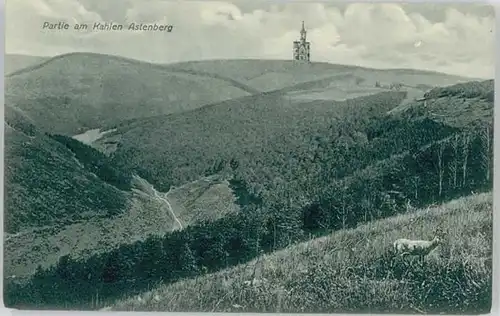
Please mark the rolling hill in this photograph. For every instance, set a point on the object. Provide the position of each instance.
(72, 93)
(301, 149)
(173, 149)
(69, 94)
(270, 75)
(15, 62)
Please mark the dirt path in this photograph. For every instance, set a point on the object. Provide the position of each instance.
(164, 199)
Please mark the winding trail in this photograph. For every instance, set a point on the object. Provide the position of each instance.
(168, 206)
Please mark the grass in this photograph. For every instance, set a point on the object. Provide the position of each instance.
(268, 75)
(353, 271)
(203, 200)
(71, 93)
(15, 62)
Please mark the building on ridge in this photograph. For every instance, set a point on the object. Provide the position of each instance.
(301, 48)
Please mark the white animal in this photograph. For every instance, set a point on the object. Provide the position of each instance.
(419, 248)
(255, 282)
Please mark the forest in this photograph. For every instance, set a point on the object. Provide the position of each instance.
(96, 162)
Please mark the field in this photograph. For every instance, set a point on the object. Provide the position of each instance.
(350, 270)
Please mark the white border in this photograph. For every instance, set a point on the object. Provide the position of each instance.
(495, 308)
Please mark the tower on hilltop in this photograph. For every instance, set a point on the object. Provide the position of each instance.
(301, 48)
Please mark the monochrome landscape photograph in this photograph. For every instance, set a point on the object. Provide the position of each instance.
(248, 156)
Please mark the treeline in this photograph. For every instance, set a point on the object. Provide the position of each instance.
(475, 89)
(258, 129)
(448, 168)
(97, 163)
(432, 164)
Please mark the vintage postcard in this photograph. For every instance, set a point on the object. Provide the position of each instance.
(246, 156)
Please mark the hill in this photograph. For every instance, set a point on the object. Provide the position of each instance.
(45, 184)
(169, 150)
(458, 105)
(58, 188)
(15, 62)
(72, 93)
(349, 271)
(270, 75)
(77, 92)
(145, 215)
(174, 149)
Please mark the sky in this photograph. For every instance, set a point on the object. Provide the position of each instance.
(451, 38)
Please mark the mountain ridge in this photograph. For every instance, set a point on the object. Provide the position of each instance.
(216, 60)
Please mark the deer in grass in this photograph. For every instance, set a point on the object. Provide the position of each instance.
(420, 248)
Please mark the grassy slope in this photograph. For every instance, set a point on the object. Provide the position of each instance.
(71, 93)
(348, 270)
(15, 62)
(321, 81)
(202, 200)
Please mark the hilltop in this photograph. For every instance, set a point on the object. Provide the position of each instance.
(15, 62)
(348, 271)
(71, 93)
(269, 75)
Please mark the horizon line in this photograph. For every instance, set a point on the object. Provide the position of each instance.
(130, 59)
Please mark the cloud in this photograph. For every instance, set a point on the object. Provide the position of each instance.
(453, 39)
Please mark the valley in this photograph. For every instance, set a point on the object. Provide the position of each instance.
(261, 169)
(148, 214)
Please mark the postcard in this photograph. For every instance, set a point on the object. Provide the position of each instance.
(248, 156)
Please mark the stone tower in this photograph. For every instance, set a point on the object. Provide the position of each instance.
(301, 48)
